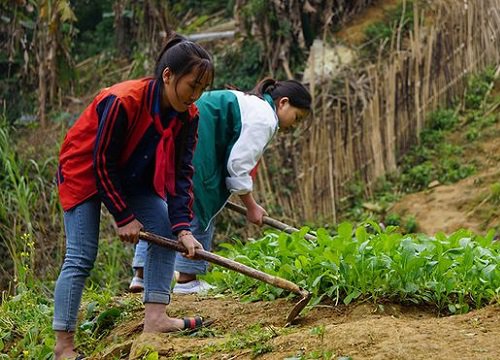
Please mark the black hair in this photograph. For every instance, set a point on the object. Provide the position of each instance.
(295, 91)
(181, 56)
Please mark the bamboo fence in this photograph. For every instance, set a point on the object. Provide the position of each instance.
(359, 133)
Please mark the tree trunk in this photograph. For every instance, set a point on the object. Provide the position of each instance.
(52, 44)
(121, 29)
(41, 55)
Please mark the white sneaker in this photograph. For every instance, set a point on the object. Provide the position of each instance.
(199, 287)
(136, 285)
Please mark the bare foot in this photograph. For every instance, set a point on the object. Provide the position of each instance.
(65, 345)
(61, 354)
(162, 324)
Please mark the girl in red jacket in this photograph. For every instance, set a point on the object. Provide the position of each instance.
(132, 150)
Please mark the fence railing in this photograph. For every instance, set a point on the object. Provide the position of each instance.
(362, 131)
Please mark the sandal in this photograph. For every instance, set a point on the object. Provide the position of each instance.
(193, 324)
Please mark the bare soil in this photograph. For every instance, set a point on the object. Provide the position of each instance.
(363, 331)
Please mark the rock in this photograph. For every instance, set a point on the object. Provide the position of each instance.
(433, 184)
(373, 207)
(325, 62)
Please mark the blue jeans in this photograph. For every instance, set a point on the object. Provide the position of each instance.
(82, 236)
(183, 264)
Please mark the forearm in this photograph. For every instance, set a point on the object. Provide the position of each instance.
(255, 212)
(248, 200)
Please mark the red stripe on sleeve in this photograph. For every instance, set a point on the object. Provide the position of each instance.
(101, 158)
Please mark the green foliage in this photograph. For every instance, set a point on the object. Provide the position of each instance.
(477, 88)
(495, 193)
(411, 224)
(380, 33)
(255, 337)
(442, 119)
(25, 325)
(356, 264)
(96, 37)
(452, 170)
(26, 186)
(26, 321)
(112, 267)
(478, 121)
(418, 176)
(102, 314)
(241, 66)
(201, 7)
(393, 220)
(17, 80)
(472, 134)
(435, 159)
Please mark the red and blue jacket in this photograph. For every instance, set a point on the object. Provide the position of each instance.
(114, 148)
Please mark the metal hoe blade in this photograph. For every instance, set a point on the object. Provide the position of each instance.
(306, 297)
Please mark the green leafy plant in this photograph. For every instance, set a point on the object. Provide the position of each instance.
(477, 88)
(495, 193)
(411, 224)
(442, 119)
(393, 220)
(355, 264)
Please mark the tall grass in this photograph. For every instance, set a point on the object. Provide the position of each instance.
(18, 198)
(31, 221)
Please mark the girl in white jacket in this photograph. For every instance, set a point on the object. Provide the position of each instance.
(234, 130)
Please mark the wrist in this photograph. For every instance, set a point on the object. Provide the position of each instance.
(183, 233)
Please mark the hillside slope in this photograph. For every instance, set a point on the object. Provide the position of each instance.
(470, 203)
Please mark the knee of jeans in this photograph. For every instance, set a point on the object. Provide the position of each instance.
(79, 264)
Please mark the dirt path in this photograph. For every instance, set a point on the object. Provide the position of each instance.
(464, 204)
(243, 331)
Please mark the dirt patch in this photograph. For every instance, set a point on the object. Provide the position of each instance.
(353, 32)
(448, 208)
(363, 331)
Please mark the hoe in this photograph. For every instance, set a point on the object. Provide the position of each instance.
(270, 221)
(243, 269)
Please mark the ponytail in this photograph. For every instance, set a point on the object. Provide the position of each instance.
(297, 93)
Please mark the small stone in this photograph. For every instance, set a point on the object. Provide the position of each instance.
(433, 184)
(372, 207)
